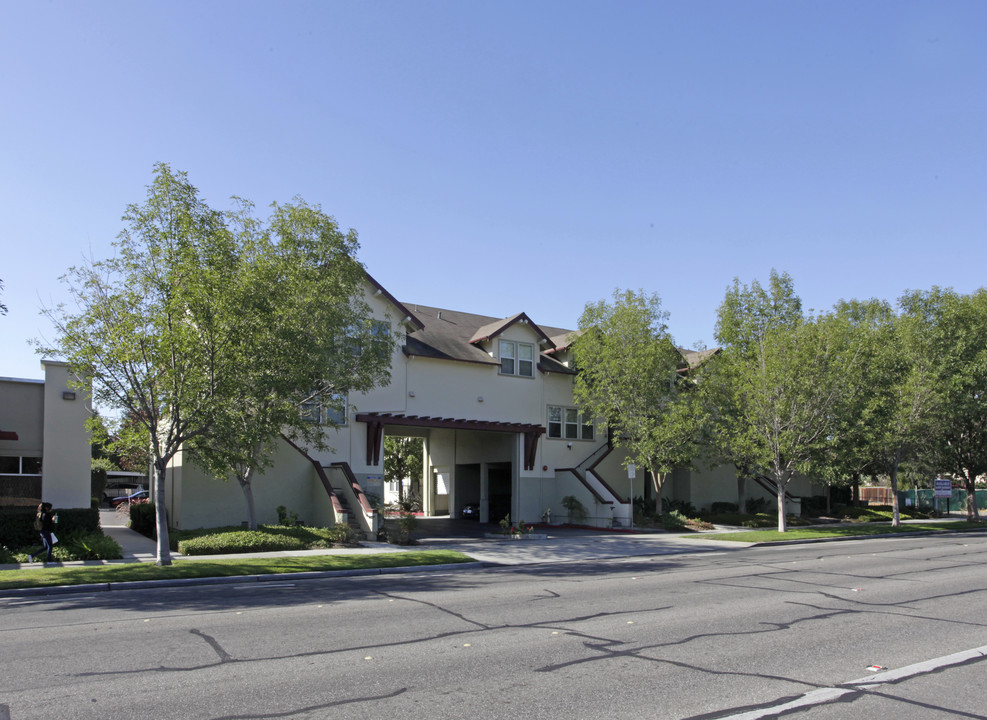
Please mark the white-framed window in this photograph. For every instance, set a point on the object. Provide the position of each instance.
(326, 413)
(377, 333)
(568, 423)
(20, 465)
(517, 358)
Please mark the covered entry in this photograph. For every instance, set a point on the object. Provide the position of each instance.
(466, 461)
(489, 486)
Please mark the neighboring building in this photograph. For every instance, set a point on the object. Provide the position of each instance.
(491, 399)
(44, 445)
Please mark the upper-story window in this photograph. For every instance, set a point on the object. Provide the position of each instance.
(569, 423)
(377, 339)
(517, 358)
(331, 411)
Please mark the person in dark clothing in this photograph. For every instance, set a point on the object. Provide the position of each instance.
(47, 517)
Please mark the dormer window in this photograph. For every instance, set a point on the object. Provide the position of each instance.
(517, 358)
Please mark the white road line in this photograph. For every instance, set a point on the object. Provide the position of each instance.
(825, 695)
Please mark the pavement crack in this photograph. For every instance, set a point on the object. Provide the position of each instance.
(224, 656)
(312, 708)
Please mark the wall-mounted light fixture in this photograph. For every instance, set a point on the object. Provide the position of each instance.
(569, 445)
(411, 393)
(479, 398)
(68, 395)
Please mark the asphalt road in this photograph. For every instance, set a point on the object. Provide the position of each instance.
(749, 633)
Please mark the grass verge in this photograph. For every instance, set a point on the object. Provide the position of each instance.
(822, 533)
(183, 569)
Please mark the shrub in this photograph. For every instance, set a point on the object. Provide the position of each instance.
(645, 508)
(87, 546)
(17, 525)
(814, 505)
(577, 512)
(683, 507)
(674, 520)
(341, 534)
(407, 524)
(142, 518)
(723, 507)
(761, 520)
(267, 538)
(727, 518)
(288, 518)
(753, 506)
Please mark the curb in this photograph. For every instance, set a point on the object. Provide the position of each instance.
(233, 579)
(884, 536)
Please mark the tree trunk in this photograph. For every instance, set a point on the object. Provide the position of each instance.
(658, 483)
(248, 495)
(741, 491)
(896, 516)
(829, 494)
(970, 483)
(160, 516)
(855, 497)
(782, 520)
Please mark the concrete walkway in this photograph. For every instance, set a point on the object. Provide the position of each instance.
(470, 538)
(136, 547)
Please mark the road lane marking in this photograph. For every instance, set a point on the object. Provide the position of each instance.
(826, 695)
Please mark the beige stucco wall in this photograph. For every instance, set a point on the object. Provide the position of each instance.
(450, 389)
(52, 427)
(706, 485)
(204, 501)
(22, 411)
(66, 471)
(459, 390)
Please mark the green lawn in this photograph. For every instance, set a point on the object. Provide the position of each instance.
(821, 533)
(181, 569)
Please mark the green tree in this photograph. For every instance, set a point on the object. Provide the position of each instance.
(852, 452)
(889, 423)
(3, 308)
(403, 458)
(950, 331)
(747, 314)
(307, 340)
(631, 374)
(156, 327)
(780, 381)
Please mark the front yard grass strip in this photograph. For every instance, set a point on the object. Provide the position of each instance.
(822, 533)
(182, 569)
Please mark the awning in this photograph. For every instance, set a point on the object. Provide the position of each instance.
(376, 422)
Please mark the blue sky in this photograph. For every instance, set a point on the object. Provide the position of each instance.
(499, 157)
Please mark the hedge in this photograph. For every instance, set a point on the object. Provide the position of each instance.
(17, 525)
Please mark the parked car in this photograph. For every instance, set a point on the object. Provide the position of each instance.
(116, 488)
(471, 511)
(127, 499)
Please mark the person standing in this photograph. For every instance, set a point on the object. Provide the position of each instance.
(46, 519)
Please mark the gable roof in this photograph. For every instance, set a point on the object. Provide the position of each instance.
(406, 316)
(492, 330)
(454, 335)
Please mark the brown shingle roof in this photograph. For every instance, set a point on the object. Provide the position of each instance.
(453, 335)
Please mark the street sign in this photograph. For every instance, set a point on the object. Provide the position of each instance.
(943, 488)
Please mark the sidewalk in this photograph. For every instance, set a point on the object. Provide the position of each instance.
(560, 545)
